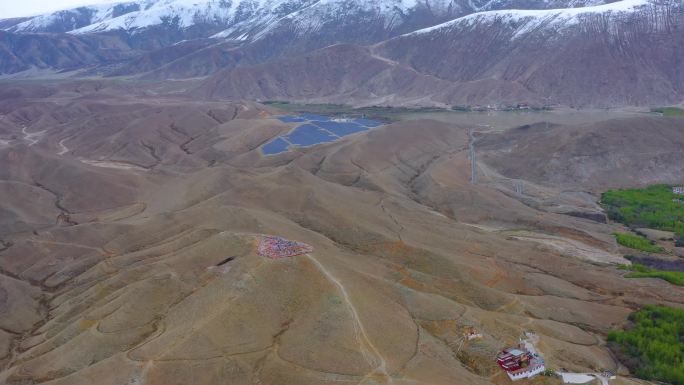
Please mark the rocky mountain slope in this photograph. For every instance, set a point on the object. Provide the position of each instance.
(338, 73)
(249, 19)
(449, 52)
(624, 53)
(153, 24)
(262, 29)
(22, 52)
(246, 20)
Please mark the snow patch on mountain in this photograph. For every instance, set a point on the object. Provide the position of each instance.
(250, 20)
(490, 5)
(312, 17)
(240, 20)
(183, 14)
(92, 13)
(529, 20)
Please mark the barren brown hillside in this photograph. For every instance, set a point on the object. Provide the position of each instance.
(129, 227)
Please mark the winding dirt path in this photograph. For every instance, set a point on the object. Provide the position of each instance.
(114, 164)
(369, 351)
(63, 148)
(32, 137)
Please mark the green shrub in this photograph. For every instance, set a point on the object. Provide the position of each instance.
(653, 347)
(638, 243)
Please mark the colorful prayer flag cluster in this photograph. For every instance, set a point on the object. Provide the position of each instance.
(275, 247)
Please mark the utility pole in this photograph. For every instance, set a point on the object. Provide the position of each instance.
(519, 187)
(473, 163)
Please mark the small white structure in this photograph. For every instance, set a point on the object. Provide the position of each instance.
(678, 190)
(471, 333)
(473, 336)
(576, 378)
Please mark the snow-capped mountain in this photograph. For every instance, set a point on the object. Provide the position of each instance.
(184, 14)
(71, 19)
(624, 53)
(575, 52)
(264, 28)
(249, 19)
(231, 16)
(526, 21)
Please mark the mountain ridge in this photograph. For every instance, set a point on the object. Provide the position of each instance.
(134, 15)
(487, 54)
(497, 57)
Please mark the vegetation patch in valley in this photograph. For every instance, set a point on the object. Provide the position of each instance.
(655, 207)
(669, 111)
(676, 264)
(652, 346)
(373, 112)
(640, 271)
(386, 113)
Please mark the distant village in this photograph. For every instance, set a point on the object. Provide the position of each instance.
(501, 107)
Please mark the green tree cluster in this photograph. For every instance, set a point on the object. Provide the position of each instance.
(653, 346)
(655, 207)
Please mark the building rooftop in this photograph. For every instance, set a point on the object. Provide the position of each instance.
(516, 352)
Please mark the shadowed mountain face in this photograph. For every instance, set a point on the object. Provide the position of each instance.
(135, 260)
(23, 52)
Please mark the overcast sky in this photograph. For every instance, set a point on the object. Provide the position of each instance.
(16, 8)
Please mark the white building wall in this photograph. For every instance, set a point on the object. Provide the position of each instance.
(527, 374)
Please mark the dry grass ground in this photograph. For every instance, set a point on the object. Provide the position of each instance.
(407, 252)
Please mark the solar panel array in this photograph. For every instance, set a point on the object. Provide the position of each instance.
(315, 129)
